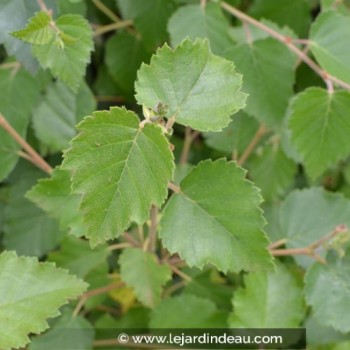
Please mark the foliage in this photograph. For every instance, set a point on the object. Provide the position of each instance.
(173, 163)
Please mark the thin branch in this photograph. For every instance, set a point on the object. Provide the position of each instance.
(94, 292)
(250, 148)
(174, 288)
(174, 187)
(10, 65)
(152, 235)
(203, 4)
(286, 41)
(180, 273)
(118, 246)
(113, 26)
(278, 243)
(309, 250)
(42, 5)
(189, 138)
(103, 8)
(114, 99)
(131, 239)
(35, 157)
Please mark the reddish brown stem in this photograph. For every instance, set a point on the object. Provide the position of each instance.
(35, 157)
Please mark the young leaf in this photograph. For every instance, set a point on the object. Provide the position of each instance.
(317, 119)
(142, 271)
(294, 14)
(236, 136)
(269, 300)
(195, 85)
(268, 70)
(327, 291)
(329, 43)
(193, 21)
(124, 55)
(120, 169)
(64, 110)
(38, 31)
(325, 211)
(14, 87)
(216, 219)
(271, 171)
(187, 311)
(69, 52)
(27, 228)
(66, 333)
(150, 18)
(76, 256)
(34, 291)
(53, 195)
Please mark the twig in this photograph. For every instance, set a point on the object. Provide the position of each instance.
(174, 187)
(250, 148)
(94, 292)
(141, 233)
(309, 250)
(131, 239)
(103, 8)
(152, 235)
(189, 138)
(35, 157)
(116, 99)
(174, 288)
(203, 4)
(119, 246)
(10, 65)
(278, 243)
(42, 5)
(286, 41)
(113, 26)
(180, 273)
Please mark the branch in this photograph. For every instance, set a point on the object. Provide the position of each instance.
(103, 8)
(35, 157)
(250, 148)
(189, 138)
(174, 187)
(286, 41)
(113, 26)
(309, 250)
(152, 236)
(94, 292)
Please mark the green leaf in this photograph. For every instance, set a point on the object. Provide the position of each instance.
(68, 53)
(193, 21)
(141, 270)
(76, 256)
(269, 300)
(124, 55)
(294, 14)
(329, 43)
(14, 87)
(53, 195)
(27, 228)
(325, 211)
(195, 85)
(38, 30)
(268, 70)
(327, 291)
(236, 136)
(216, 219)
(64, 110)
(120, 169)
(186, 311)
(318, 118)
(66, 333)
(271, 171)
(150, 18)
(34, 291)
